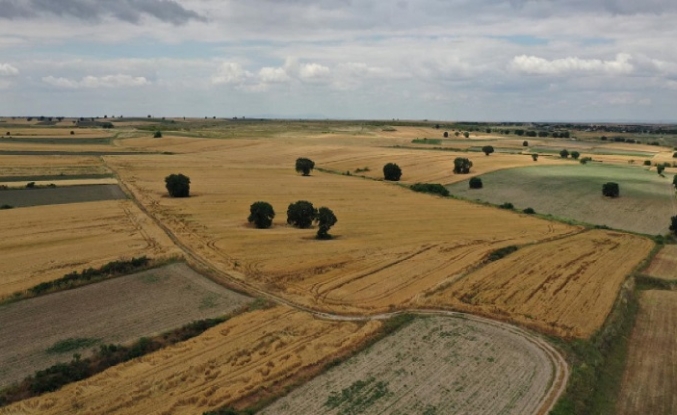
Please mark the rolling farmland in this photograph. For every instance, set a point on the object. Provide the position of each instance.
(664, 264)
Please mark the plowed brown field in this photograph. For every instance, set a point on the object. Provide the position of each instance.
(664, 264)
(650, 381)
(392, 244)
(565, 287)
(248, 353)
(43, 243)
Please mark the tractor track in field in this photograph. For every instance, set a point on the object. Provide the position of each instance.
(560, 367)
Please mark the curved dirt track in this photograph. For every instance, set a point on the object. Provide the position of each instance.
(560, 367)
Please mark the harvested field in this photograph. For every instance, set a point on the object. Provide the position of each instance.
(247, 354)
(43, 243)
(377, 262)
(650, 378)
(27, 166)
(565, 287)
(119, 310)
(664, 264)
(645, 204)
(436, 365)
(60, 195)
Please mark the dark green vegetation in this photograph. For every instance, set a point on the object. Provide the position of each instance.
(42, 196)
(106, 356)
(88, 275)
(462, 165)
(529, 211)
(432, 188)
(506, 205)
(611, 189)
(6, 206)
(358, 396)
(501, 253)
(573, 192)
(178, 185)
(304, 166)
(487, 150)
(325, 220)
(575, 155)
(673, 224)
(72, 344)
(564, 153)
(435, 141)
(301, 214)
(392, 172)
(158, 134)
(660, 168)
(261, 214)
(534, 157)
(475, 183)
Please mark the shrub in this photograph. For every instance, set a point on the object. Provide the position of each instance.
(5, 207)
(525, 143)
(392, 172)
(72, 132)
(301, 214)
(30, 185)
(610, 189)
(178, 185)
(674, 155)
(674, 180)
(487, 150)
(475, 183)
(446, 134)
(501, 253)
(660, 168)
(534, 157)
(325, 220)
(462, 165)
(433, 188)
(584, 160)
(466, 134)
(647, 162)
(261, 214)
(507, 205)
(304, 166)
(564, 153)
(575, 155)
(158, 134)
(529, 211)
(673, 224)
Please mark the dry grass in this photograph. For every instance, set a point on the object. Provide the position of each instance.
(245, 355)
(13, 166)
(650, 378)
(43, 243)
(51, 132)
(59, 183)
(565, 287)
(664, 264)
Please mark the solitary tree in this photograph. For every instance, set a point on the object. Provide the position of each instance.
(392, 172)
(457, 133)
(446, 134)
(301, 214)
(475, 183)
(525, 143)
(178, 185)
(488, 150)
(466, 134)
(158, 134)
(325, 220)
(674, 180)
(673, 224)
(564, 153)
(261, 214)
(660, 168)
(462, 165)
(610, 189)
(534, 157)
(304, 165)
(575, 155)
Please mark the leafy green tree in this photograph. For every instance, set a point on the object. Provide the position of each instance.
(466, 134)
(673, 224)
(446, 134)
(457, 133)
(564, 153)
(304, 165)
(529, 211)
(525, 143)
(392, 172)
(674, 180)
(261, 214)
(178, 185)
(575, 155)
(647, 162)
(325, 220)
(660, 168)
(610, 189)
(487, 150)
(158, 134)
(476, 183)
(301, 214)
(462, 165)
(534, 157)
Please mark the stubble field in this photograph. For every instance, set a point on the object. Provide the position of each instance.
(664, 264)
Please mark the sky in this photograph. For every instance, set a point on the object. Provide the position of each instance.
(470, 60)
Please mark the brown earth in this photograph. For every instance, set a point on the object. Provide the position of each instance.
(650, 381)
(249, 353)
(119, 310)
(664, 264)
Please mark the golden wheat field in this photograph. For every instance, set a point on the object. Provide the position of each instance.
(14, 166)
(247, 354)
(391, 244)
(565, 287)
(43, 243)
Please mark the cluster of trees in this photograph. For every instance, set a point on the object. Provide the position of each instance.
(565, 154)
(462, 165)
(301, 214)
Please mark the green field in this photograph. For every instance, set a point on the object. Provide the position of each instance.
(645, 204)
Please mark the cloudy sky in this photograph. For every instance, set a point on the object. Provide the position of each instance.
(530, 60)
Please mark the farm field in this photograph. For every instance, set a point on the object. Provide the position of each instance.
(28, 166)
(118, 310)
(650, 378)
(565, 287)
(664, 264)
(646, 202)
(247, 354)
(43, 243)
(435, 365)
(60, 182)
(60, 195)
(377, 261)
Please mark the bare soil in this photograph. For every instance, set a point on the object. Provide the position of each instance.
(664, 264)
(119, 310)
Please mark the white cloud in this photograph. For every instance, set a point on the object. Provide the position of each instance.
(230, 73)
(314, 71)
(8, 70)
(269, 75)
(538, 66)
(107, 81)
